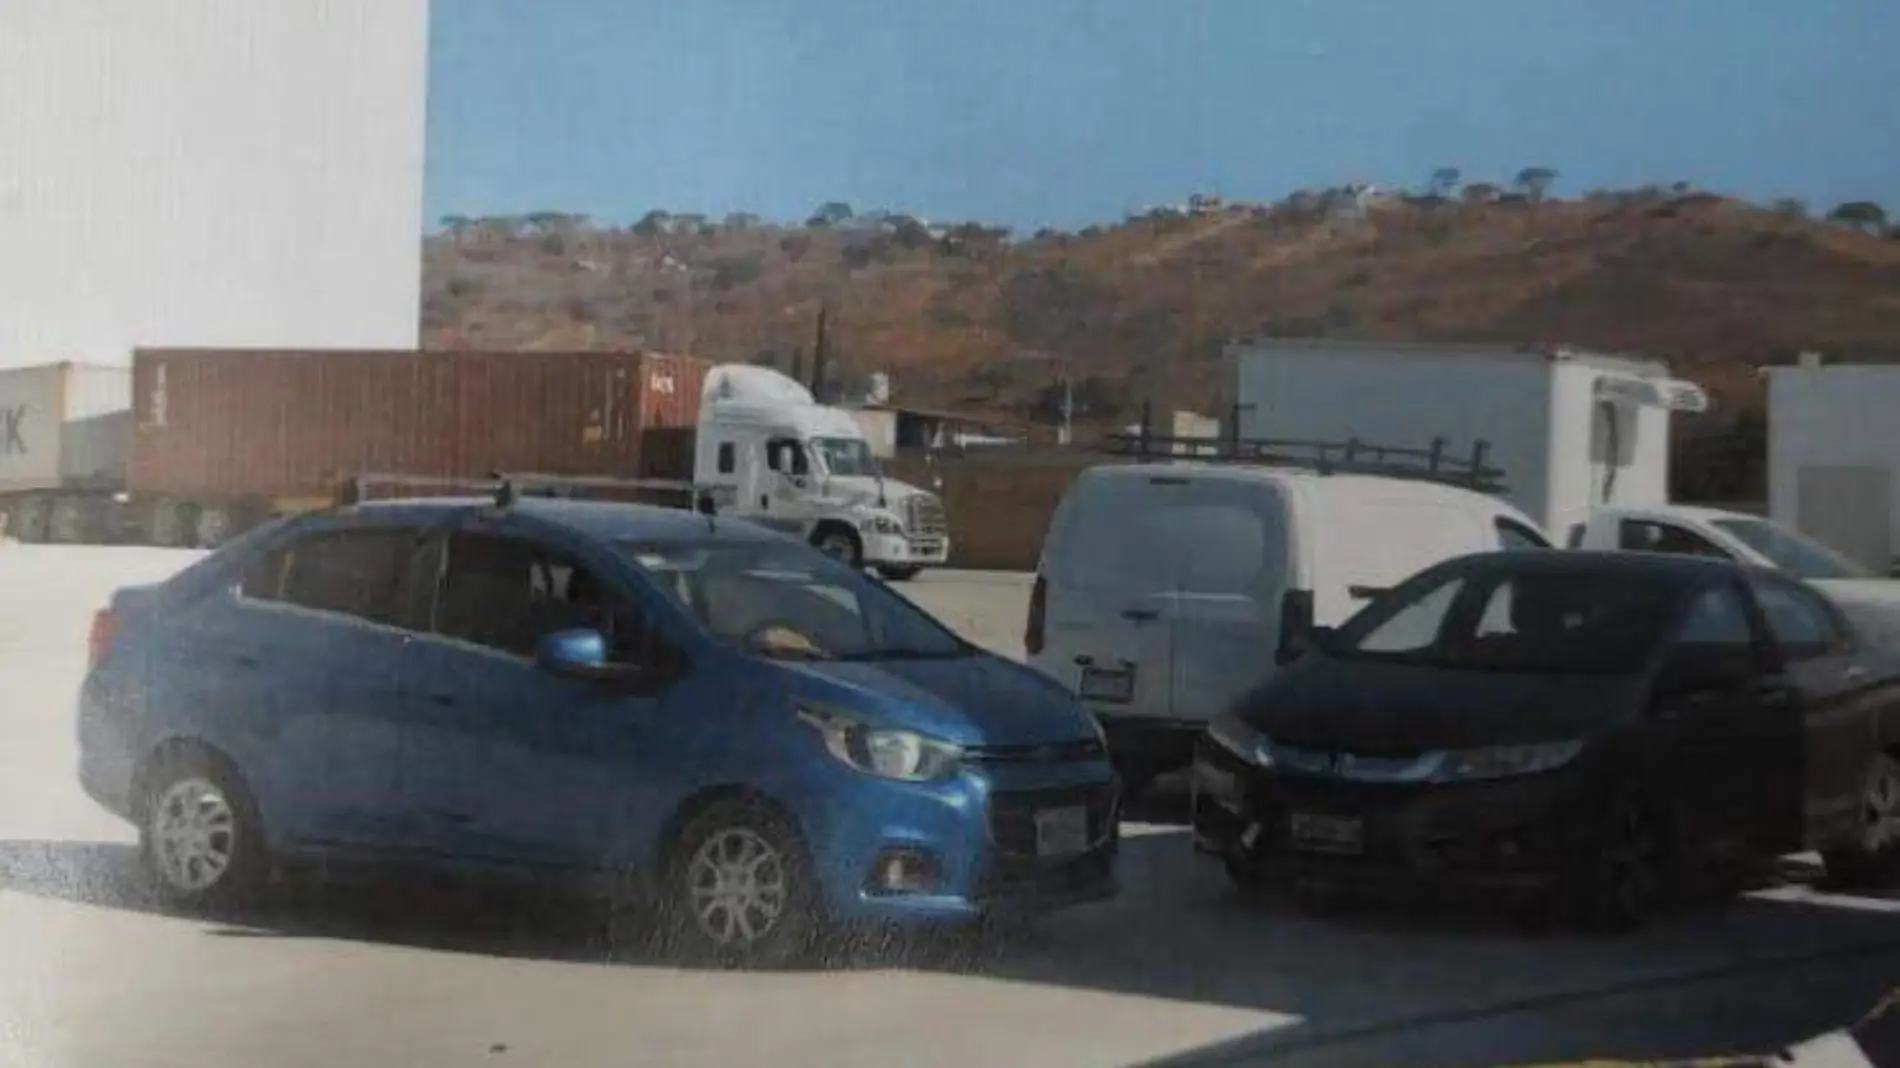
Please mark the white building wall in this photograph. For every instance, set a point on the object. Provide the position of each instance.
(1834, 416)
(209, 173)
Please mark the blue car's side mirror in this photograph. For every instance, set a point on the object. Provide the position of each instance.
(580, 653)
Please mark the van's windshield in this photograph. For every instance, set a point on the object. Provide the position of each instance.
(787, 601)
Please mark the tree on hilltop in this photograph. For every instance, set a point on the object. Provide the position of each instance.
(1535, 182)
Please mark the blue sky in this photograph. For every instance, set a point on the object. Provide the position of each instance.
(1066, 112)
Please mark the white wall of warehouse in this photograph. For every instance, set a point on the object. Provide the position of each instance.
(209, 173)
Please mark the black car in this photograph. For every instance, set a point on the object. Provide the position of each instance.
(1569, 722)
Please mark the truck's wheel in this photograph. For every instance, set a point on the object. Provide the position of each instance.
(167, 528)
(898, 574)
(213, 528)
(26, 521)
(840, 543)
(66, 522)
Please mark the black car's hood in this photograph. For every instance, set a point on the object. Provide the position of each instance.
(1374, 708)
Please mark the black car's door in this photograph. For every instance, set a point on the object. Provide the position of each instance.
(1837, 692)
(1725, 724)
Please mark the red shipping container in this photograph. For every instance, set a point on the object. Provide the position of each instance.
(284, 424)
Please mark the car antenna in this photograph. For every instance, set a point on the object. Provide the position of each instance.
(705, 506)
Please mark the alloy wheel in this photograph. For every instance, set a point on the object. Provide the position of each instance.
(738, 885)
(193, 835)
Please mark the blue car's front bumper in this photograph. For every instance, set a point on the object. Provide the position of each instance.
(976, 836)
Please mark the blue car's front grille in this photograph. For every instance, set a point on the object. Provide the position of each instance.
(1051, 753)
(1012, 814)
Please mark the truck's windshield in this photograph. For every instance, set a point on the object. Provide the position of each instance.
(791, 602)
(846, 456)
(1800, 557)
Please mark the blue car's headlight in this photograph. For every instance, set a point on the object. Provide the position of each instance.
(886, 752)
(1505, 761)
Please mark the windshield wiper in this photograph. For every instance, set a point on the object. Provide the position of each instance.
(899, 653)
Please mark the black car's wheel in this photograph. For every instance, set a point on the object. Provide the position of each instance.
(1873, 857)
(741, 889)
(1617, 884)
(200, 840)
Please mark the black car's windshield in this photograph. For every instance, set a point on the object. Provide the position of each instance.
(789, 602)
(846, 456)
(1499, 619)
(1792, 553)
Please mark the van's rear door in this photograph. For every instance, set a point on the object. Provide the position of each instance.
(1376, 536)
(1232, 565)
(1108, 589)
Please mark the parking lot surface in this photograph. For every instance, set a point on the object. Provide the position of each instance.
(1178, 970)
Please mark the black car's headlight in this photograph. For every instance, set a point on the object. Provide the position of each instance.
(1233, 734)
(886, 752)
(1505, 761)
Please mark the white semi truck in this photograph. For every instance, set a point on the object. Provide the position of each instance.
(768, 452)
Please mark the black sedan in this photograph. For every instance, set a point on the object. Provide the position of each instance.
(1584, 724)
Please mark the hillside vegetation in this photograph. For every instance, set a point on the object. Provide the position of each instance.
(974, 317)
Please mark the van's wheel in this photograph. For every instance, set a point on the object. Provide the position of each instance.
(200, 839)
(841, 544)
(1874, 856)
(741, 888)
(898, 574)
(1616, 882)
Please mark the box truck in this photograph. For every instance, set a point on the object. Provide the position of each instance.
(1570, 430)
(65, 436)
(1832, 453)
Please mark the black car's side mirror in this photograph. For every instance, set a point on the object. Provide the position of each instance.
(1302, 641)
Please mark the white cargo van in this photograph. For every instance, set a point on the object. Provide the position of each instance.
(1165, 591)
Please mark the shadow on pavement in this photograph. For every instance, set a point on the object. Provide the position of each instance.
(1367, 983)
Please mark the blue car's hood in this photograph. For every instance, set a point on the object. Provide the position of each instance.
(970, 700)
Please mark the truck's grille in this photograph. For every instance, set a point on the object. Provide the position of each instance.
(923, 516)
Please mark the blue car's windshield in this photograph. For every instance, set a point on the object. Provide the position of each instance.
(787, 601)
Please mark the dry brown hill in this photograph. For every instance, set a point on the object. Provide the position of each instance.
(971, 317)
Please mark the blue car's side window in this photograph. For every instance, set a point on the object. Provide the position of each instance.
(506, 593)
(354, 573)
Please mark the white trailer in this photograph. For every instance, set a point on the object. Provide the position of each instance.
(1569, 429)
(65, 439)
(1833, 448)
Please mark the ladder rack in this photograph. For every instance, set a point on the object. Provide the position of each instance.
(1350, 456)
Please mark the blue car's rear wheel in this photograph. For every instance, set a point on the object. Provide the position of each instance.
(200, 840)
(741, 889)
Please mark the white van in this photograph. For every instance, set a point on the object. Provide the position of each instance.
(1165, 591)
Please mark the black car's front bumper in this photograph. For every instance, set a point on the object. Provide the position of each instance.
(1507, 833)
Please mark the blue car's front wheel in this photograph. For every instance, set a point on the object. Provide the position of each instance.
(741, 887)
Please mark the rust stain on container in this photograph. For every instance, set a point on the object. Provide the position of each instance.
(281, 423)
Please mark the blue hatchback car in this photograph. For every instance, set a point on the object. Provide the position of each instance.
(685, 710)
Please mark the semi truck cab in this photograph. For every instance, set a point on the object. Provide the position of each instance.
(767, 452)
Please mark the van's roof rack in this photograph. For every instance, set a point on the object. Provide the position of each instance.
(1349, 456)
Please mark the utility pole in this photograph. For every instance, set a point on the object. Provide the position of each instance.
(820, 353)
(1068, 409)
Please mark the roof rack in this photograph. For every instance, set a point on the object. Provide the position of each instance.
(1350, 456)
(506, 487)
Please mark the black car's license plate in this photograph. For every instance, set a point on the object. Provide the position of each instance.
(1109, 685)
(1317, 833)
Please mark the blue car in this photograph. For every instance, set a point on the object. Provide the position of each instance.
(680, 710)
